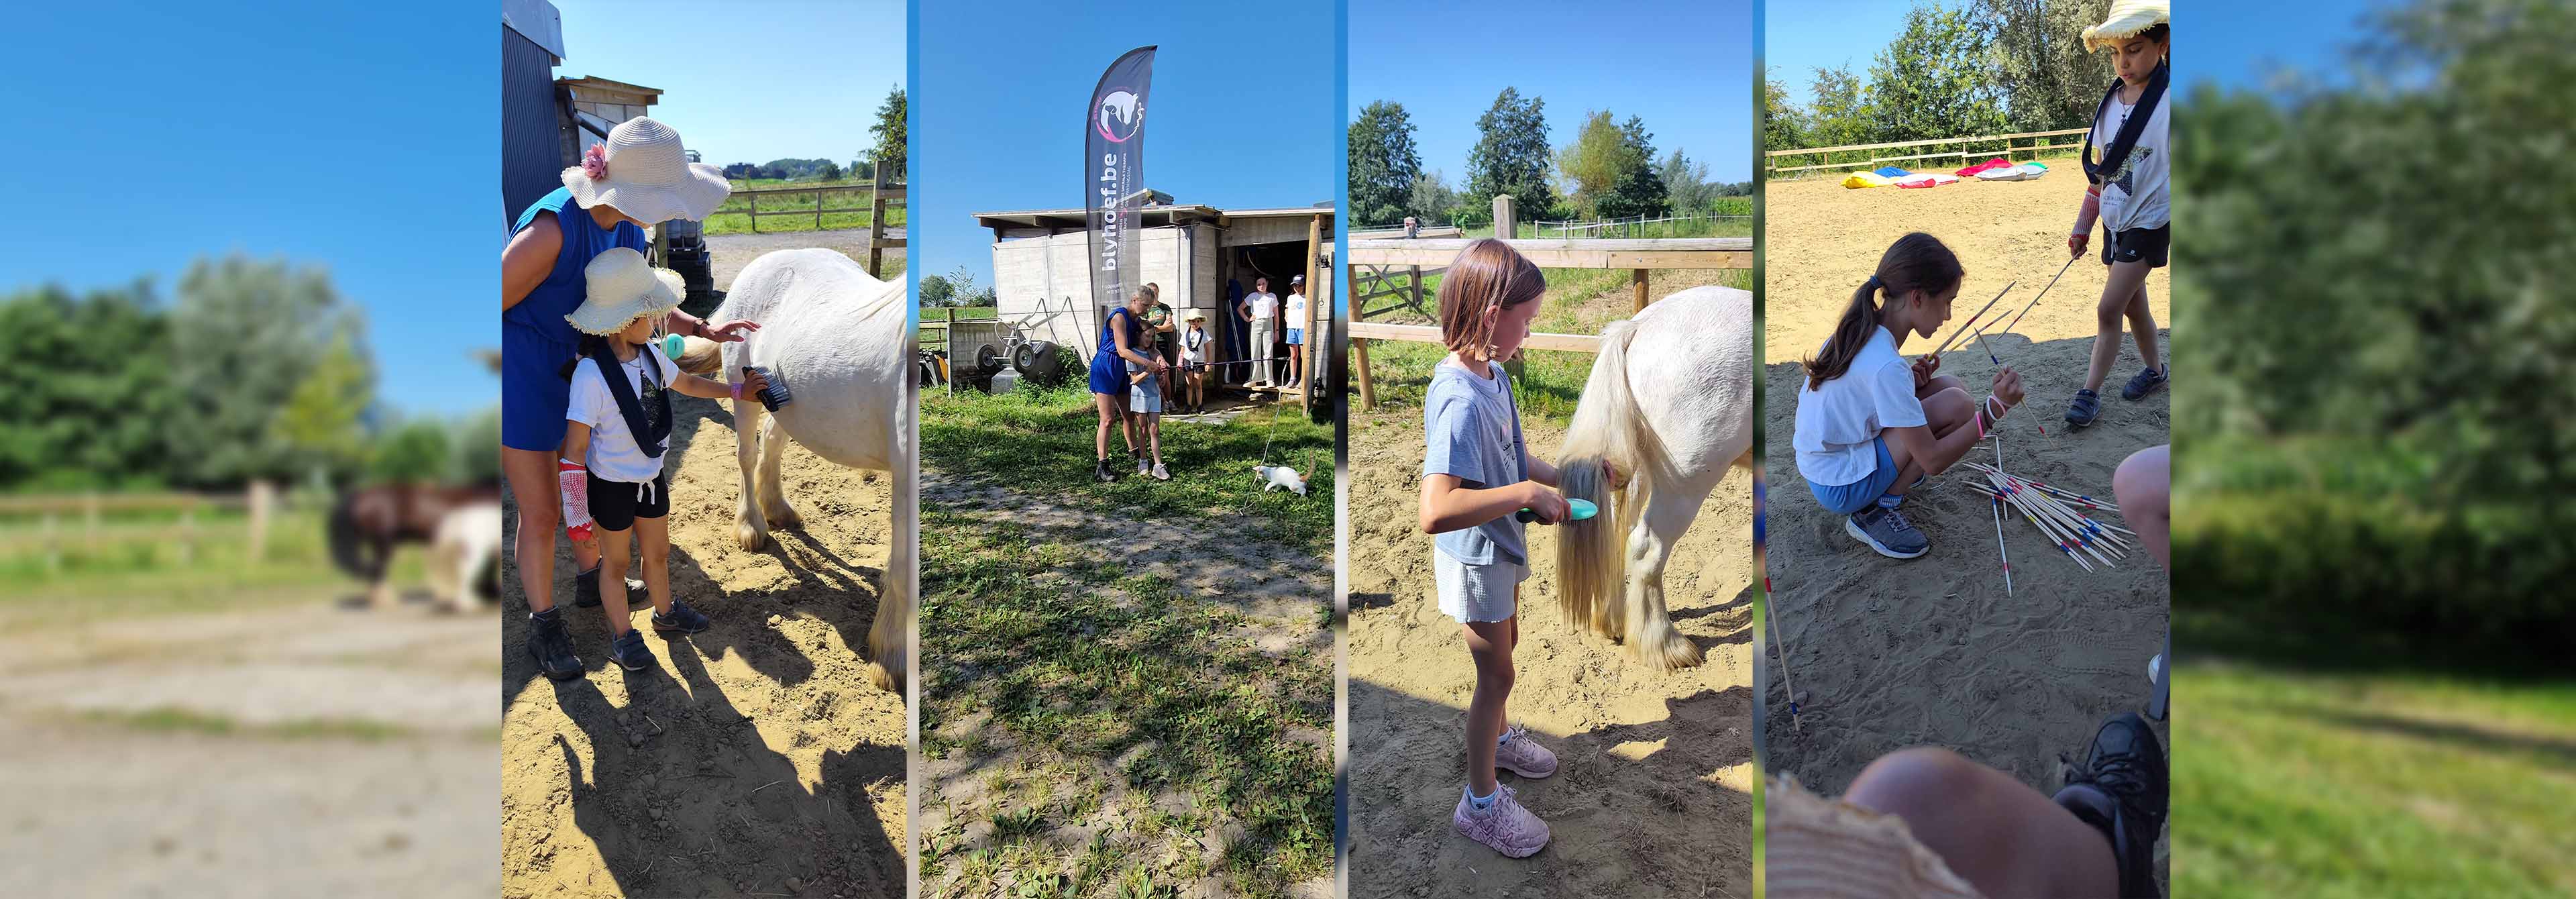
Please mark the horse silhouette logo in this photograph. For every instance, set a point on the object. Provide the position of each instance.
(1120, 116)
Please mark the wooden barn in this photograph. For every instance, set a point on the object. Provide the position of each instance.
(1203, 258)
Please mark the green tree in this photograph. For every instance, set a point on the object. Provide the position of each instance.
(1843, 112)
(936, 291)
(890, 133)
(245, 336)
(412, 451)
(1639, 191)
(1511, 155)
(1784, 125)
(474, 452)
(88, 403)
(1937, 78)
(1383, 164)
(2048, 80)
(831, 171)
(1432, 202)
(1686, 182)
(320, 423)
(1593, 164)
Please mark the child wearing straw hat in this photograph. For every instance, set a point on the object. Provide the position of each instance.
(639, 176)
(1194, 352)
(616, 429)
(2128, 195)
(1871, 426)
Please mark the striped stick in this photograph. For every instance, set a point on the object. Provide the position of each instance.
(1954, 335)
(2034, 300)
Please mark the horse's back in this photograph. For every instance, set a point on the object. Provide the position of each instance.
(835, 336)
(1691, 368)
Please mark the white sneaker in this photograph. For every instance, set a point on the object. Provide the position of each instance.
(1161, 473)
(1143, 466)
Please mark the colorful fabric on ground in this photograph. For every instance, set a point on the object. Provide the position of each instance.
(1926, 179)
(1858, 180)
(1893, 172)
(1998, 162)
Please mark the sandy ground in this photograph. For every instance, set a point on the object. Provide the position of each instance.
(1653, 794)
(1822, 240)
(757, 758)
(327, 749)
(1887, 654)
(1277, 588)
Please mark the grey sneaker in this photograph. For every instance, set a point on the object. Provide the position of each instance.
(1506, 826)
(1887, 531)
(1143, 467)
(1161, 473)
(1520, 754)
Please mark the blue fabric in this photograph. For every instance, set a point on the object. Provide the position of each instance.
(1107, 366)
(1472, 431)
(1296, 337)
(536, 341)
(1846, 499)
(1892, 172)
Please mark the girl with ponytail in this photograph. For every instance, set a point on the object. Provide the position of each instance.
(1870, 425)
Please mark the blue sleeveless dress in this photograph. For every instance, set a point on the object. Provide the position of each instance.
(536, 341)
(1108, 369)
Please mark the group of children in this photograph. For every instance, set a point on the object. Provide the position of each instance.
(1146, 402)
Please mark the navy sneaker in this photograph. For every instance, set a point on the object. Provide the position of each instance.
(682, 620)
(550, 643)
(1887, 531)
(2086, 407)
(2122, 791)
(2145, 383)
(628, 651)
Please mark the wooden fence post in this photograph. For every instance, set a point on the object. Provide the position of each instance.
(1359, 352)
(754, 215)
(1506, 224)
(53, 545)
(188, 532)
(1637, 287)
(89, 521)
(262, 496)
(876, 223)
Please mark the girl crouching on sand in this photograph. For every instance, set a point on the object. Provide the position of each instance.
(1476, 474)
(1871, 426)
(618, 428)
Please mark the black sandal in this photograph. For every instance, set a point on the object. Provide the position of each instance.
(2086, 407)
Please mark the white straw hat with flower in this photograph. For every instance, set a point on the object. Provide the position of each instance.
(642, 171)
(623, 288)
(2127, 19)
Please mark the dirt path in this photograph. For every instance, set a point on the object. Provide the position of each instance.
(1653, 796)
(1132, 798)
(299, 748)
(757, 757)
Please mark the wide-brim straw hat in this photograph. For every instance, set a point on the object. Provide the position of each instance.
(2127, 19)
(649, 177)
(622, 288)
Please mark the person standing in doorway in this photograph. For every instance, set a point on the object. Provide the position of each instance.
(1297, 331)
(1260, 309)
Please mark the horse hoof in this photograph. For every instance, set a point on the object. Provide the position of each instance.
(785, 517)
(751, 536)
(1677, 653)
(885, 678)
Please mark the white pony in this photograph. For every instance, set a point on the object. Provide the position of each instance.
(1669, 406)
(466, 547)
(837, 338)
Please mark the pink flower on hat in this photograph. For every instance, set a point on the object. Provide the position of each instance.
(594, 162)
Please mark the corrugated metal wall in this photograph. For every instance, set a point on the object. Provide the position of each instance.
(531, 155)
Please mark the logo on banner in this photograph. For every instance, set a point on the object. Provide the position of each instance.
(1120, 115)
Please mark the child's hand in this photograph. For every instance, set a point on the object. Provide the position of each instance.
(729, 332)
(753, 382)
(2008, 386)
(2075, 243)
(1923, 369)
(1547, 504)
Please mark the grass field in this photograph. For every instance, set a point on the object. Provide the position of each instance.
(2304, 774)
(732, 217)
(123, 576)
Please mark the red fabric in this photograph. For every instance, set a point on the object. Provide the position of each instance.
(1999, 162)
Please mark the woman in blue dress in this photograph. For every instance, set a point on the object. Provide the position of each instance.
(1122, 337)
(638, 177)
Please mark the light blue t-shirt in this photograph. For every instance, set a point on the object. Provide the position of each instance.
(1472, 430)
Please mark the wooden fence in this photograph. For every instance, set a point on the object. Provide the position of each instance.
(880, 196)
(67, 520)
(1371, 262)
(1964, 154)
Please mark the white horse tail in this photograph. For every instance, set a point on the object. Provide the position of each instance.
(1591, 562)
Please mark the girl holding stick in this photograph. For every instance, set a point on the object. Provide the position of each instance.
(2128, 196)
(1871, 426)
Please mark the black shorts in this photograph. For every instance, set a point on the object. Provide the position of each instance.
(614, 506)
(2147, 245)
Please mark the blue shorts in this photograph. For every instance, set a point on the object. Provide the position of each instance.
(1857, 495)
(534, 391)
(1296, 336)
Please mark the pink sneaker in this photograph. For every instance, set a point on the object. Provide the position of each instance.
(1520, 754)
(1506, 826)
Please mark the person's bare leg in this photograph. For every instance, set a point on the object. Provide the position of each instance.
(2142, 325)
(532, 485)
(2006, 839)
(653, 561)
(2127, 282)
(613, 563)
(2143, 486)
(1108, 408)
(1490, 642)
(1154, 437)
(1946, 408)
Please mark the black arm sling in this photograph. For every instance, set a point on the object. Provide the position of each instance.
(2117, 154)
(651, 425)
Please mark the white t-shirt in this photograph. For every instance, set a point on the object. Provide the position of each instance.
(1838, 420)
(1296, 310)
(613, 453)
(2137, 195)
(1194, 344)
(1264, 305)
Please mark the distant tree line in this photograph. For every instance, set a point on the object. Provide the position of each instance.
(1985, 67)
(890, 145)
(1610, 170)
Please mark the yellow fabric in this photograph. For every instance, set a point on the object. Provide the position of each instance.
(2127, 18)
(1866, 179)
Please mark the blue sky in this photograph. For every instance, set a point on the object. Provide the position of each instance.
(1242, 112)
(2238, 44)
(1685, 68)
(746, 82)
